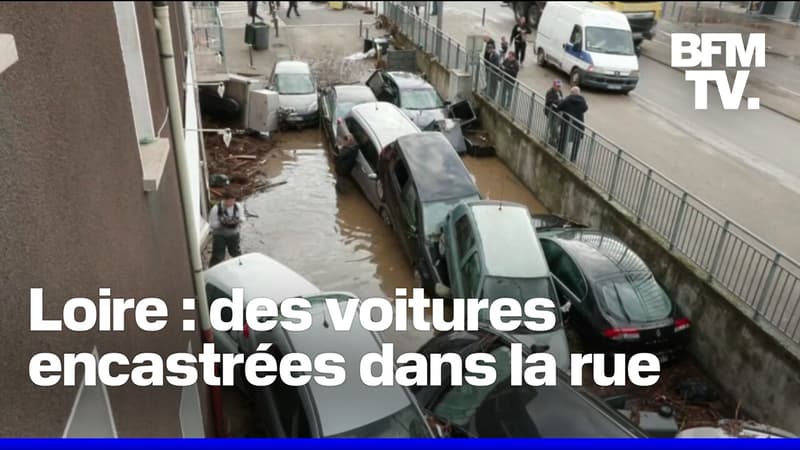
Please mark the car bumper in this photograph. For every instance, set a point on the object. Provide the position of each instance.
(304, 119)
(610, 82)
(666, 350)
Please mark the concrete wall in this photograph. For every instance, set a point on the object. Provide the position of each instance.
(752, 364)
(75, 216)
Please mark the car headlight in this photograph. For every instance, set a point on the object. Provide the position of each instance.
(312, 107)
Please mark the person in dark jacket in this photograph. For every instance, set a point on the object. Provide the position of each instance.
(252, 11)
(551, 101)
(510, 71)
(572, 108)
(292, 6)
(492, 67)
(518, 34)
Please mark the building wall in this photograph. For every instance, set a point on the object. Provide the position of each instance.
(75, 216)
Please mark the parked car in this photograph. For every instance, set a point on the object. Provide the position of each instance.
(313, 410)
(410, 92)
(421, 178)
(729, 428)
(335, 103)
(614, 297)
(590, 42)
(372, 126)
(297, 93)
(492, 251)
(501, 410)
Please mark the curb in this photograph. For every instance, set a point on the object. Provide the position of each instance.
(763, 104)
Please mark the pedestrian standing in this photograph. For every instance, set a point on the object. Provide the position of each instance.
(573, 108)
(292, 6)
(551, 101)
(503, 48)
(225, 220)
(518, 35)
(510, 71)
(492, 67)
(252, 11)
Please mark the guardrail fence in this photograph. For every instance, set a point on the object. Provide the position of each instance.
(762, 277)
(209, 40)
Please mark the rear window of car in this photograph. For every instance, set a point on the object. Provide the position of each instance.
(420, 99)
(635, 298)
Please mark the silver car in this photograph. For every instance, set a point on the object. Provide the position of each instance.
(411, 93)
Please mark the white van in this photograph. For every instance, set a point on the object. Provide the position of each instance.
(591, 43)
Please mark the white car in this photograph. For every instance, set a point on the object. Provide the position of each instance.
(728, 428)
(591, 43)
(297, 93)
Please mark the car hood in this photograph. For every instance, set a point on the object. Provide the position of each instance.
(423, 117)
(555, 341)
(297, 102)
(623, 64)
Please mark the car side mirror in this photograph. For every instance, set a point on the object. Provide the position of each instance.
(448, 103)
(442, 291)
(566, 307)
(565, 46)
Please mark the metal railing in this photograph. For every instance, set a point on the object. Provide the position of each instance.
(209, 36)
(733, 258)
(451, 53)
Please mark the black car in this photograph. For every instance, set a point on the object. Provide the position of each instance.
(335, 103)
(505, 411)
(614, 298)
(420, 179)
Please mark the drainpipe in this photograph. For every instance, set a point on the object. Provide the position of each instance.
(172, 90)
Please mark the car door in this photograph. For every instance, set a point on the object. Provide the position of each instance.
(377, 84)
(571, 284)
(460, 248)
(402, 207)
(367, 159)
(573, 50)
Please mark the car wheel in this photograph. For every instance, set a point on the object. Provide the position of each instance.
(541, 58)
(575, 77)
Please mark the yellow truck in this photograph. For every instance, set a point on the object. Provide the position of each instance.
(642, 16)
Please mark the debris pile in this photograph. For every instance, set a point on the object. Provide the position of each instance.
(241, 166)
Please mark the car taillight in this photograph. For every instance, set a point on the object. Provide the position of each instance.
(622, 334)
(246, 330)
(682, 324)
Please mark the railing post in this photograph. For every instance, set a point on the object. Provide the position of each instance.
(590, 157)
(765, 289)
(723, 240)
(447, 61)
(513, 108)
(677, 225)
(643, 198)
(458, 51)
(614, 174)
(530, 114)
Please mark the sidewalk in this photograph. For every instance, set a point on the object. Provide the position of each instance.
(777, 85)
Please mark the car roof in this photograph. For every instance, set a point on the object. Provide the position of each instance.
(598, 253)
(437, 170)
(408, 80)
(349, 91)
(496, 222)
(350, 405)
(384, 121)
(259, 276)
(292, 67)
(597, 15)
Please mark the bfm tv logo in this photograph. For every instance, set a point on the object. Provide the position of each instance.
(702, 48)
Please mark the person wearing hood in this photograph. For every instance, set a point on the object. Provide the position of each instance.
(492, 63)
(572, 108)
(551, 101)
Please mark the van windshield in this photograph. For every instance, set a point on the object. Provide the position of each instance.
(609, 40)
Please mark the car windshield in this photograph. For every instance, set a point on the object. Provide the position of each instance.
(426, 98)
(502, 410)
(406, 423)
(294, 83)
(521, 289)
(609, 40)
(636, 297)
(434, 213)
